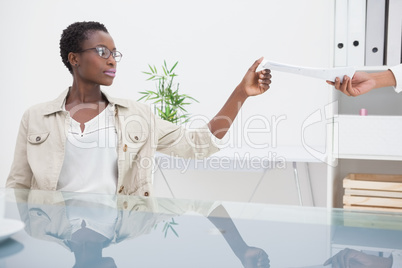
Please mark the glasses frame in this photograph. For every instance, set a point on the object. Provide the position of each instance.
(113, 53)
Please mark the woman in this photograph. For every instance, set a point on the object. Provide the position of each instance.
(87, 141)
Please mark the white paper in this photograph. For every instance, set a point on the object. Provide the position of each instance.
(321, 73)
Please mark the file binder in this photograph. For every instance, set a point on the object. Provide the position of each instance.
(375, 33)
(394, 33)
(356, 33)
(341, 33)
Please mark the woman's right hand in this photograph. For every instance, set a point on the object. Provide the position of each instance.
(360, 84)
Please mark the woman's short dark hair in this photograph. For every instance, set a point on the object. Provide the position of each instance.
(74, 35)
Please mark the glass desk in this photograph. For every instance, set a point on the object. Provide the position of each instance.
(92, 230)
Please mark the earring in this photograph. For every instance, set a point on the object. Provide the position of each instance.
(76, 65)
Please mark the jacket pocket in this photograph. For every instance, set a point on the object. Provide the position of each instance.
(134, 143)
(38, 138)
(138, 136)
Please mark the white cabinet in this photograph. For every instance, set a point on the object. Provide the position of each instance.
(363, 144)
(369, 137)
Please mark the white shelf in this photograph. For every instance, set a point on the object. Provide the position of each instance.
(369, 137)
(369, 157)
(363, 144)
(372, 68)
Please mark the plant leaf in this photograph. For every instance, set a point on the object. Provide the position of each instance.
(165, 65)
(142, 98)
(174, 231)
(174, 66)
(150, 68)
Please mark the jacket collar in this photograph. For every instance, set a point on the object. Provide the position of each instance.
(57, 104)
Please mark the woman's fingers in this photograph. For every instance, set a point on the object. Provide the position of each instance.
(343, 87)
(265, 77)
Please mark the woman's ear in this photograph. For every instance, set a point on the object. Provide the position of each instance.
(73, 59)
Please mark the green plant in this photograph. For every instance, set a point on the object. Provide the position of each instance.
(168, 226)
(169, 104)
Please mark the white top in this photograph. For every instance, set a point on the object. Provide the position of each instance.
(101, 219)
(90, 161)
(397, 71)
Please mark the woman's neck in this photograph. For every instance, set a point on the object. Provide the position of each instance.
(84, 94)
(85, 103)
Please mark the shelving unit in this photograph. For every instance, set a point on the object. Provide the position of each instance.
(361, 144)
(365, 144)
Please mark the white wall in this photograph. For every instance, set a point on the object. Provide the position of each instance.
(214, 41)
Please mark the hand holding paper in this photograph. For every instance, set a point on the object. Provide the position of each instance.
(363, 82)
(327, 73)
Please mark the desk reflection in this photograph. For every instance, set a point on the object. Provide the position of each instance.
(85, 224)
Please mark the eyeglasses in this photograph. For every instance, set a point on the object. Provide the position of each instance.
(105, 53)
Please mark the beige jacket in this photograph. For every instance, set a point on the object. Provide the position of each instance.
(39, 151)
